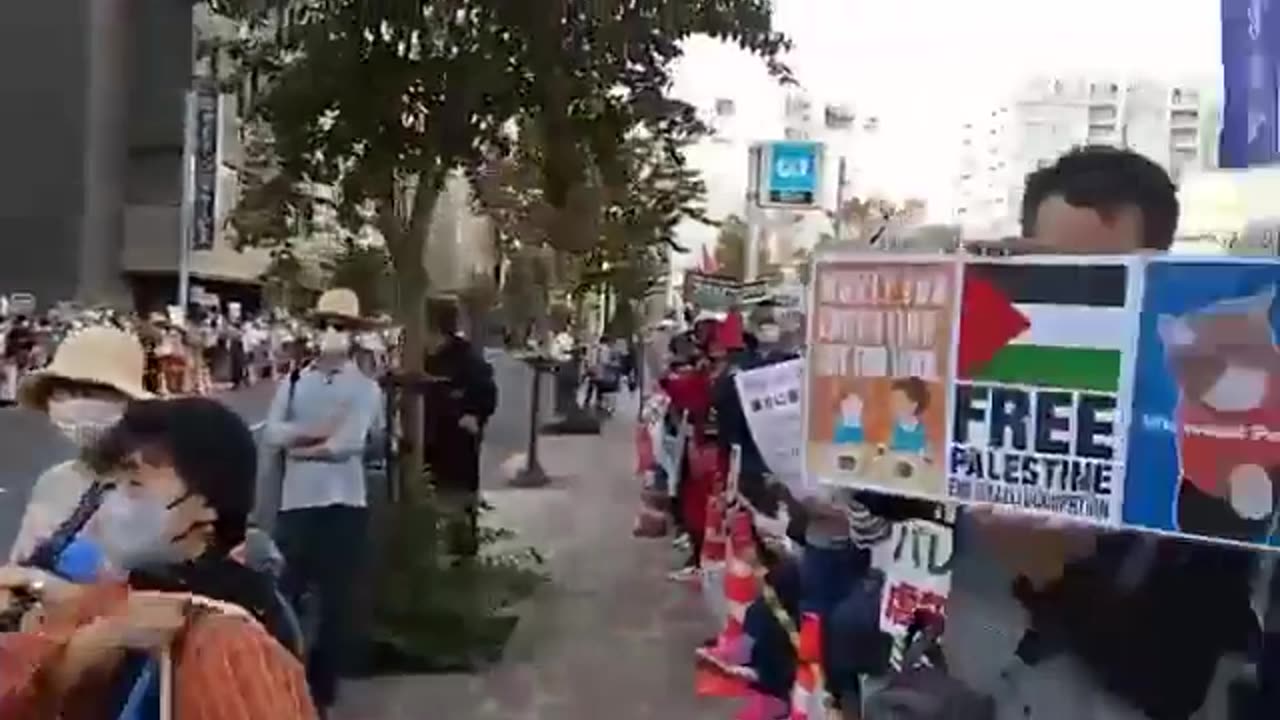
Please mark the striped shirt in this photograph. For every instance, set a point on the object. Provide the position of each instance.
(225, 668)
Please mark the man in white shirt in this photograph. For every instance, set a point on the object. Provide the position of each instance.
(322, 419)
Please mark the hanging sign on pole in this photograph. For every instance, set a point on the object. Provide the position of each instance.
(788, 174)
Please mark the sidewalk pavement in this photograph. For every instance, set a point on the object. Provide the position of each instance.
(609, 636)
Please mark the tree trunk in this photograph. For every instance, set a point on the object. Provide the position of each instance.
(407, 242)
(411, 313)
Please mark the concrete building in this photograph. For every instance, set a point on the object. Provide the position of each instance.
(92, 137)
(1174, 124)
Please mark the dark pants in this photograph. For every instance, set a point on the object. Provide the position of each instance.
(830, 577)
(324, 551)
(455, 469)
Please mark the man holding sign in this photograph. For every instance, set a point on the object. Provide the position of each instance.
(1126, 625)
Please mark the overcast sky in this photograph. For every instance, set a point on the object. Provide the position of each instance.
(922, 65)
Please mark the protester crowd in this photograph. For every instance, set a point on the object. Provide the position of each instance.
(164, 570)
(1043, 619)
(192, 354)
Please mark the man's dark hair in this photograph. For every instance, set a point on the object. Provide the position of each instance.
(209, 446)
(1107, 179)
(442, 315)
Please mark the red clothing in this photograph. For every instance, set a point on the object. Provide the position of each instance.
(706, 475)
(1212, 443)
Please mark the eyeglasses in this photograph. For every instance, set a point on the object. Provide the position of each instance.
(330, 325)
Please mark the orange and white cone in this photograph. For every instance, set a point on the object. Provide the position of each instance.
(712, 560)
(807, 693)
(727, 654)
(741, 588)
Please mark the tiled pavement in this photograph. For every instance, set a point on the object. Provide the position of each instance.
(609, 637)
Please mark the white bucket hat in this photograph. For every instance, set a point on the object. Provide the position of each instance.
(339, 304)
(96, 355)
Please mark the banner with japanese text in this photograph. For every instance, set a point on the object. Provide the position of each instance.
(916, 562)
(770, 398)
(879, 359)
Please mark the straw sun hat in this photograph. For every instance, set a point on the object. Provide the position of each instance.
(96, 355)
(339, 304)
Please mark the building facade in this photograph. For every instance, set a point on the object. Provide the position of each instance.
(1174, 124)
(91, 187)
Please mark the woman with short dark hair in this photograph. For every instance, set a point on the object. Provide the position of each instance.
(183, 473)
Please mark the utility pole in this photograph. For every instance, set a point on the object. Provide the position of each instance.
(754, 216)
(842, 181)
(186, 212)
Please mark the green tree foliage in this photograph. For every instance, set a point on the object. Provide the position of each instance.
(731, 248)
(861, 218)
(380, 101)
(366, 269)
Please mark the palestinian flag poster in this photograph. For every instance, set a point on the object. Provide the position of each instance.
(1044, 374)
(879, 371)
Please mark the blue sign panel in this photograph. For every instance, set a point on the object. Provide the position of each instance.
(1250, 53)
(792, 177)
(1204, 444)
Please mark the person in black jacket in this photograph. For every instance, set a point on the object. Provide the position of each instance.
(458, 404)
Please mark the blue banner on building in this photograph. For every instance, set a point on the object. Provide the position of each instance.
(1250, 53)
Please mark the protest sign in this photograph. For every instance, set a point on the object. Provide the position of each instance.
(720, 293)
(1043, 377)
(880, 334)
(1206, 412)
(770, 398)
(916, 562)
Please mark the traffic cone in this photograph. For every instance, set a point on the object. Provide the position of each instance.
(741, 588)
(712, 559)
(808, 696)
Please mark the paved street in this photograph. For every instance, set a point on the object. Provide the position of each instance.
(608, 637)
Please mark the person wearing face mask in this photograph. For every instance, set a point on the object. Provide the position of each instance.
(183, 484)
(322, 418)
(83, 392)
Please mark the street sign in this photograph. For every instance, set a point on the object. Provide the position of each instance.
(21, 303)
(207, 159)
(788, 174)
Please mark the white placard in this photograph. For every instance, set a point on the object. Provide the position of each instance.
(771, 401)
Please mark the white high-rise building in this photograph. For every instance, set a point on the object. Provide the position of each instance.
(1174, 125)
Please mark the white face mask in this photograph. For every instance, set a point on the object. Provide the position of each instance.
(84, 420)
(1238, 389)
(134, 532)
(335, 342)
(770, 334)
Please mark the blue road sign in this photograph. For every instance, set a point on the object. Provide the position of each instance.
(793, 174)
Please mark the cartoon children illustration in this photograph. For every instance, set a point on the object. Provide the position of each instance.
(909, 400)
(849, 421)
(1224, 360)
